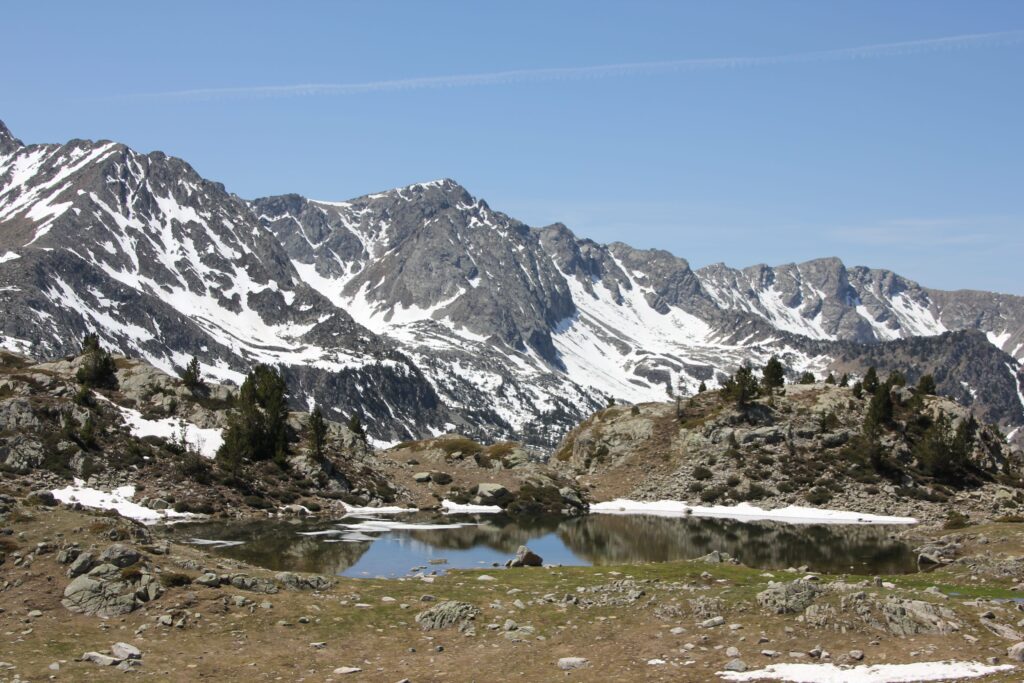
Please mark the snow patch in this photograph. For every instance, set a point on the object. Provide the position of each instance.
(119, 499)
(792, 514)
(878, 673)
(467, 508)
(206, 442)
(9, 256)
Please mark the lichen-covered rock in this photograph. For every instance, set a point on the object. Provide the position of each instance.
(108, 590)
(299, 582)
(909, 617)
(788, 598)
(448, 614)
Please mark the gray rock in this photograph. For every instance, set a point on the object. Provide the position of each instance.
(1016, 652)
(125, 651)
(788, 598)
(312, 582)
(441, 478)
(526, 558)
(490, 494)
(447, 614)
(421, 477)
(120, 555)
(570, 663)
(208, 579)
(100, 658)
(736, 665)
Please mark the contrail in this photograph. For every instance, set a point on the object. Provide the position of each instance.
(595, 72)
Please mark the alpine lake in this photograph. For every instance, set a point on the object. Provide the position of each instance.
(422, 543)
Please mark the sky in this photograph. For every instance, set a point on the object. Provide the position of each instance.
(886, 133)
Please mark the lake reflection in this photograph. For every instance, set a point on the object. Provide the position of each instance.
(374, 547)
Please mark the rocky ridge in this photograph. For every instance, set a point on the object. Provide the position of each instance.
(426, 311)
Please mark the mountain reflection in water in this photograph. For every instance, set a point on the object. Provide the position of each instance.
(281, 545)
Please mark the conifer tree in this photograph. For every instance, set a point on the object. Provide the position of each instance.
(807, 378)
(870, 381)
(926, 386)
(317, 432)
(98, 370)
(741, 388)
(774, 374)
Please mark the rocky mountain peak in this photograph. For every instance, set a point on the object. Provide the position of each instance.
(8, 143)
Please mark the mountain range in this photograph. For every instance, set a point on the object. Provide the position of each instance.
(425, 311)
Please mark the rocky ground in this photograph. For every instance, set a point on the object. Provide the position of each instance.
(798, 447)
(85, 594)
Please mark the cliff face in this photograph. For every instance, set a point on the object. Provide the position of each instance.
(805, 446)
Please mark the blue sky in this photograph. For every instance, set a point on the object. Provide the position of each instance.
(744, 132)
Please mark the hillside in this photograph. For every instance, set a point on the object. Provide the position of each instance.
(806, 445)
(152, 433)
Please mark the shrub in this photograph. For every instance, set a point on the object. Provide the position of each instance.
(956, 520)
(818, 496)
(195, 467)
(701, 473)
(710, 495)
(258, 502)
(733, 480)
(175, 579)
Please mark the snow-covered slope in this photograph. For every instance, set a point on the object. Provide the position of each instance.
(422, 308)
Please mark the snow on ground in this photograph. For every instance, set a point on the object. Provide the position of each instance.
(203, 441)
(119, 499)
(744, 511)
(460, 508)
(9, 256)
(356, 511)
(878, 673)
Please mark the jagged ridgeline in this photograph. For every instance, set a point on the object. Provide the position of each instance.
(423, 310)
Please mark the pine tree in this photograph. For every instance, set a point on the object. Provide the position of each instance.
(926, 386)
(870, 382)
(258, 428)
(896, 379)
(844, 381)
(317, 432)
(702, 388)
(857, 389)
(192, 376)
(831, 379)
(355, 425)
(807, 378)
(880, 410)
(741, 387)
(773, 375)
(98, 370)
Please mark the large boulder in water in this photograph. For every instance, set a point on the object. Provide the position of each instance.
(526, 558)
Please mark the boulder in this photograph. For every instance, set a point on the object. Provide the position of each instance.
(421, 477)
(100, 658)
(125, 651)
(81, 564)
(1016, 652)
(570, 663)
(525, 558)
(442, 478)
(490, 494)
(120, 556)
(300, 582)
(108, 591)
(911, 617)
(447, 614)
(788, 598)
